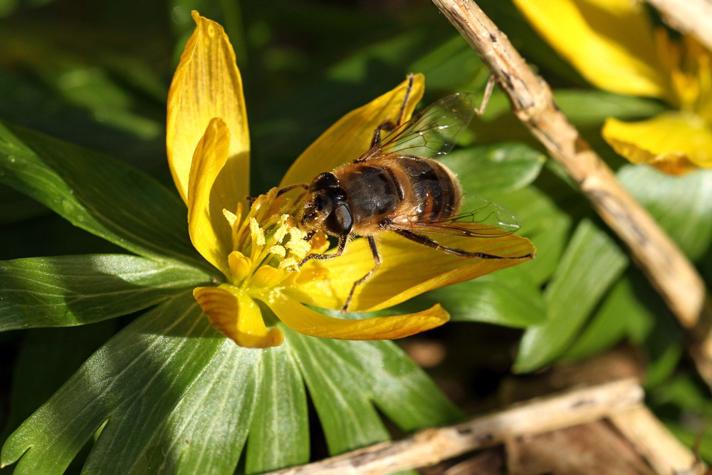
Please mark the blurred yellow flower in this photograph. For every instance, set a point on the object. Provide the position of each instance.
(614, 45)
(257, 245)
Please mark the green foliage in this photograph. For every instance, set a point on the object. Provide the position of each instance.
(96, 193)
(197, 394)
(682, 205)
(588, 267)
(76, 290)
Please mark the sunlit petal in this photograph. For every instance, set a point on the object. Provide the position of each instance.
(207, 84)
(351, 135)
(237, 316)
(208, 228)
(408, 268)
(307, 321)
(610, 42)
(673, 142)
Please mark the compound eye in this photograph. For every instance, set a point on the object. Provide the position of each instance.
(342, 219)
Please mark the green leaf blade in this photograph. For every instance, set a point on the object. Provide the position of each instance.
(279, 434)
(591, 263)
(346, 378)
(622, 314)
(399, 387)
(207, 429)
(96, 193)
(348, 418)
(681, 204)
(75, 290)
(497, 168)
(508, 297)
(137, 376)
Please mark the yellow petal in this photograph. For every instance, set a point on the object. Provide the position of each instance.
(610, 42)
(304, 320)
(673, 142)
(408, 268)
(351, 135)
(207, 84)
(208, 228)
(237, 316)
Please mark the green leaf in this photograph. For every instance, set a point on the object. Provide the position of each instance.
(46, 359)
(664, 345)
(139, 375)
(684, 393)
(449, 66)
(590, 108)
(544, 223)
(623, 314)
(207, 429)
(96, 193)
(195, 395)
(76, 290)
(339, 394)
(508, 297)
(682, 205)
(280, 415)
(499, 168)
(345, 377)
(591, 263)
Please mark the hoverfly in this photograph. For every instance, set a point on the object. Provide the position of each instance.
(397, 185)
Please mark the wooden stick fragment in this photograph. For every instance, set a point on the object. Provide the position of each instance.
(431, 446)
(532, 101)
(654, 442)
(693, 17)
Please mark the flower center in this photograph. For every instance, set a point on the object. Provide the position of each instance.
(267, 244)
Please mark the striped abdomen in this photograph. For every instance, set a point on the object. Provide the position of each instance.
(435, 192)
(400, 190)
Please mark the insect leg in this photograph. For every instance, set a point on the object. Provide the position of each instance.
(426, 241)
(489, 88)
(339, 251)
(376, 265)
(408, 89)
(388, 125)
(289, 188)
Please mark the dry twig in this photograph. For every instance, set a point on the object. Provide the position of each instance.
(688, 16)
(431, 446)
(532, 101)
(653, 441)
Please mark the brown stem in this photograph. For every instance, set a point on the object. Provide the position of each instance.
(431, 446)
(668, 270)
(652, 440)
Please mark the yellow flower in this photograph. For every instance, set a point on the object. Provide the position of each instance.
(613, 44)
(258, 246)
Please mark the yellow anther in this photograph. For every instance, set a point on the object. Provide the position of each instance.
(278, 250)
(258, 236)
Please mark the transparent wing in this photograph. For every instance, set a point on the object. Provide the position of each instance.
(486, 230)
(484, 218)
(433, 132)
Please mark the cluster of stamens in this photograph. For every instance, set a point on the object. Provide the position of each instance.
(267, 243)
